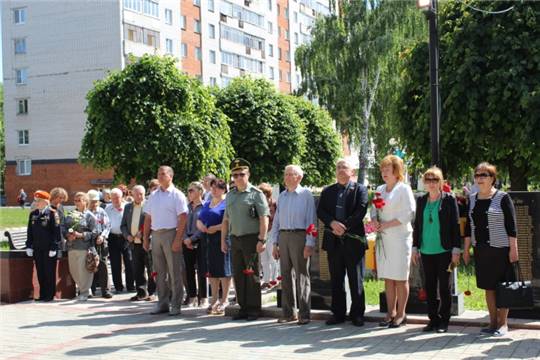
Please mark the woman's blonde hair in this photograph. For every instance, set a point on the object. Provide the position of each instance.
(83, 196)
(197, 185)
(397, 166)
(59, 192)
(434, 171)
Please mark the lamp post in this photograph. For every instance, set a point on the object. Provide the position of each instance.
(430, 9)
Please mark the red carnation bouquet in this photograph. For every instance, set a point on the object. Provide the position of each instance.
(249, 270)
(312, 230)
(378, 203)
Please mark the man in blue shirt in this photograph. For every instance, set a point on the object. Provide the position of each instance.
(295, 213)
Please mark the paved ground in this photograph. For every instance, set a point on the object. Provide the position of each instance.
(118, 329)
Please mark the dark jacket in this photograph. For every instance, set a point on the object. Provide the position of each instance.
(125, 225)
(43, 232)
(448, 219)
(356, 201)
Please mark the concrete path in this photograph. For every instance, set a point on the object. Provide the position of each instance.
(118, 329)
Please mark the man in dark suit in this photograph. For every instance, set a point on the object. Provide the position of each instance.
(342, 207)
(132, 229)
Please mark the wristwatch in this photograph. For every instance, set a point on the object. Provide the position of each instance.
(261, 240)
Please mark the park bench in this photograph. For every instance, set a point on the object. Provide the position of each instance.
(16, 239)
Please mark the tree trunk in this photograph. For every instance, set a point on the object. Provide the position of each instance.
(518, 177)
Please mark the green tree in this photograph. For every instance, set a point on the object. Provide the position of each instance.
(323, 145)
(490, 90)
(265, 128)
(151, 114)
(345, 63)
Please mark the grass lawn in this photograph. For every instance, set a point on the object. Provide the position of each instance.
(475, 301)
(13, 217)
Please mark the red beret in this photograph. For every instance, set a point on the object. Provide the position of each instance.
(40, 194)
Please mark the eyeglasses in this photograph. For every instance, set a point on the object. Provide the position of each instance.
(431, 180)
(237, 175)
(482, 175)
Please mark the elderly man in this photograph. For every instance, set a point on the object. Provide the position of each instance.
(246, 220)
(165, 218)
(342, 208)
(132, 229)
(118, 245)
(58, 197)
(294, 214)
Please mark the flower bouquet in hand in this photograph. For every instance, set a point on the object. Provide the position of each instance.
(378, 204)
(73, 220)
(249, 270)
(312, 230)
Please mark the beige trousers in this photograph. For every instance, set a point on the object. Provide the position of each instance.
(77, 268)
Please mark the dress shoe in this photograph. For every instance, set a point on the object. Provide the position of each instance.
(287, 319)
(303, 321)
(159, 310)
(358, 321)
(240, 316)
(334, 321)
(252, 317)
(38, 299)
(174, 311)
(47, 299)
(442, 328)
(488, 330)
(429, 327)
(107, 295)
(395, 324)
(386, 323)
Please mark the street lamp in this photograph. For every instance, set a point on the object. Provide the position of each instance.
(430, 9)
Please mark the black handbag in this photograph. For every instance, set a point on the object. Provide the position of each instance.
(516, 294)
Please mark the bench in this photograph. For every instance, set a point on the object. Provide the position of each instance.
(16, 239)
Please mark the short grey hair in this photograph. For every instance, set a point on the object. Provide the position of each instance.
(297, 169)
(117, 191)
(344, 161)
(168, 169)
(139, 188)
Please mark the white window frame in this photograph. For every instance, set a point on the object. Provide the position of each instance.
(211, 31)
(168, 17)
(183, 22)
(197, 2)
(17, 43)
(22, 104)
(17, 18)
(169, 48)
(213, 81)
(26, 165)
(212, 56)
(198, 53)
(211, 5)
(197, 26)
(21, 76)
(270, 50)
(183, 50)
(23, 137)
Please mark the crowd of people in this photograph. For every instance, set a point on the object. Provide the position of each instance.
(223, 236)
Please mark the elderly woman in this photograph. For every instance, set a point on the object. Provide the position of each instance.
(436, 236)
(491, 230)
(195, 249)
(269, 264)
(218, 261)
(393, 253)
(81, 231)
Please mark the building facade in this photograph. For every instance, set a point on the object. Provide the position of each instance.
(53, 51)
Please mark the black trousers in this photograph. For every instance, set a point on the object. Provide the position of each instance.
(143, 261)
(119, 250)
(101, 277)
(248, 287)
(435, 273)
(46, 274)
(195, 260)
(341, 261)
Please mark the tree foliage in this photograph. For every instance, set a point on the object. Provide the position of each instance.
(490, 90)
(323, 145)
(151, 114)
(265, 128)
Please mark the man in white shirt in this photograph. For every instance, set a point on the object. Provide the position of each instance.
(118, 246)
(165, 218)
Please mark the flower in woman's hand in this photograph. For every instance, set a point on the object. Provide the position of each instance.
(422, 295)
(248, 272)
(273, 282)
(279, 278)
(154, 275)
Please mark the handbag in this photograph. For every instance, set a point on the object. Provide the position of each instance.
(92, 260)
(516, 294)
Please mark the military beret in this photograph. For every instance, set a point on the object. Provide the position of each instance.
(40, 194)
(239, 164)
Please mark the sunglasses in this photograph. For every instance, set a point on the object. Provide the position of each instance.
(431, 180)
(482, 175)
(237, 175)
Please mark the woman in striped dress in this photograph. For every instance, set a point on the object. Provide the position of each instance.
(491, 230)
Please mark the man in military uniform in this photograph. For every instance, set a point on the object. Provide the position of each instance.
(43, 237)
(246, 220)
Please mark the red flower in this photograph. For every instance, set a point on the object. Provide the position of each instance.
(378, 203)
(467, 293)
(310, 229)
(378, 194)
(279, 278)
(422, 295)
(154, 275)
(248, 272)
(273, 282)
(314, 233)
(446, 188)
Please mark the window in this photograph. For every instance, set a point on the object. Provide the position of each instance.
(151, 38)
(277, 9)
(240, 37)
(183, 22)
(211, 5)
(287, 34)
(295, 16)
(278, 32)
(211, 31)
(19, 16)
(280, 75)
(270, 27)
(197, 26)
(168, 16)
(296, 38)
(197, 2)
(212, 57)
(286, 13)
(22, 106)
(21, 76)
(23, 137)
(270, 50)
(169, 46)
(288, 76)
(20, 46)
(279, 53)
(24, 167)
(287, 55)
(135, 5)
(198, 53)
(270, 5)
(271, 72)
(183, 50)
(151, 8)
(213, 81)
(238, 12)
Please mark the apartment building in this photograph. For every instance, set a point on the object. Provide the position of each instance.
(53, 51)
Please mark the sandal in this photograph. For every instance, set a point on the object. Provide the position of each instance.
(211, 308)
(220, 309)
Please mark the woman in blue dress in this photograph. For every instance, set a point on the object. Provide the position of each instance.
(218, 262)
